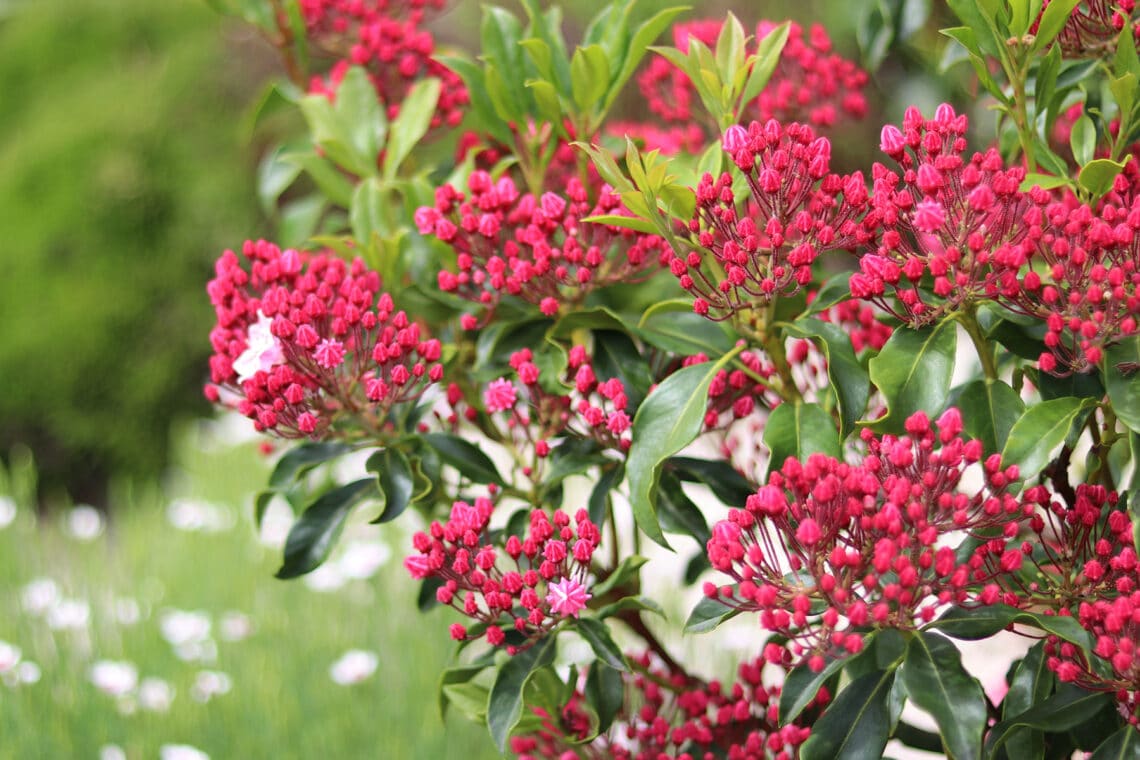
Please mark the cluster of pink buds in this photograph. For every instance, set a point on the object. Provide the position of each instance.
(827, 550)
(537, 249)
(387, 39)
(940, 216)
(528, 585)
(1093, 27)
(602, 406)
(795, 210)
(302, 340)
(668, 715)
(668, 140)
(811, 83)
(1083, 277)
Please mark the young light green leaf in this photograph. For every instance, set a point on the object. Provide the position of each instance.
(764, 62)
(1038, 433)
(589, 77)
(416, 112)
(1097, 175)
(936, 682)
(796, 429)
(1052, 20)
(913, 372)
(856, 724)
(1082, 139)
(313, 535)
(642, 38)
(626, 570)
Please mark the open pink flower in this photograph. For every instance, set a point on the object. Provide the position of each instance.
(567, 597)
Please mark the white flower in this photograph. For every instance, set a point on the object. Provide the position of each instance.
(328, 577)
(9, 656)
(197, 651)
(127, 611)
(69, 614)
(7, 511)
(115, 679)
(84, 523)
(361, 559)
(263, 351)
(235, 626)
(155, 695)
(180, 627)
(27, 672)
(193, 516)
(275, 525)
(181, 752)
(40, 595)
(210, 684)
(112, 752)
(355, 666)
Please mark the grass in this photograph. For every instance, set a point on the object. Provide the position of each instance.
(283, 702)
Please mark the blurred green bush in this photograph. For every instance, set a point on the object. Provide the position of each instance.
(124, 173)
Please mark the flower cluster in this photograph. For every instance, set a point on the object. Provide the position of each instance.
(765, 246)
(537, 249)
(546, 579)
(667, 714)
(1093, 27)
(388, 39)
(866, 544)
(810, 84)
(302, 340)
(940, 216)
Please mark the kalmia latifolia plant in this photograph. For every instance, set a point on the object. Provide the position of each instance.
(868, 397)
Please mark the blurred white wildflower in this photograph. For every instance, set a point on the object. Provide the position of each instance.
(210, 684)
(362, 559)
(275, 524)
(39, 596)
(326, 578)
(67, 614)
(235, 626)
(355, 666)
(181, 752)
(191, 515)
(112, 752)
(184, 627)
(9, 655)
(155, 695)
(7, 511)
(84, 523)
(27, 673)
(113, 678)
(127, 611)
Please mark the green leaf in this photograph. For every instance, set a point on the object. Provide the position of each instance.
(764, 62)
(547, 28)
(669, 420)
(856, 724)
(1082, 139)
(597, 635)
(470, 699)
(844, 372)
(459, 674)
(796, 429)
(966, 37)
(297, 461)
(913, 372)
(639, 43)
(589, 77)
(625, 570)
(672, 326)
(1123, 745)
(313, 535)
(474, 79)
(411, 124)
(1052, 20)
(1032, 682)
(1122, 380)
(366, 214)
(274, 176)
(975, 623)
(501, 33)
(936, 681)
(801, 687)
(1098, 175)
(625, 222)
(708, 615)
(1038, 432)
(325, 176)
(599, 502)
(605, 692)
(616, 355)
(1068, 707)
(261, 506)
(990, 408)
(505, 703)
(1043, 181)
(464, 456)
(638, 602)
(676, 511)
(352, 129)
(723, 480)
(396, 481)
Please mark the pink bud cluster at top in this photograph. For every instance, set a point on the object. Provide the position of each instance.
(527, 585)
(795, 210)
(1077, 270)
(940, 216)
(537, 249)
(301, 339)
(387, 39)
(668, 140)
(667, 715)
(810, 84)
(826, 549)
(1093, 27)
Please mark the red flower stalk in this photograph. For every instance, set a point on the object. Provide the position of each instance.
(827, 549)
(942, 217)
(302, 340)
(811, 84)
(668, 715)
(1093, 27)
(537, 249)
(541, 579)
(795, 210)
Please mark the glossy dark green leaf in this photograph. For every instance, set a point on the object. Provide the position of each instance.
(989, 410)
(297, 461)
(857, 724)
(313, 535)
(1076, 385)
(605, 692)
(913, 372)
(464, 456)
(1122, 380)
(597, 635)
(726, 483)
(260, 506)
(672, 326)
(396, 481)
(616, 355)
(1123, 745)
(975, 623)
(676, 511)
(599, 502)
(505, 704)
(668, 421)
(796, 429)
(624, 572)
(936, 681)
(801, 687)
(844, 372)
(638, 603)
(1038, 433)
(707, 615)
(1031, 683)
(1060, 712)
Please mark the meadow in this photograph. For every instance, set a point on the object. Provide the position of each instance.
(162, 633)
